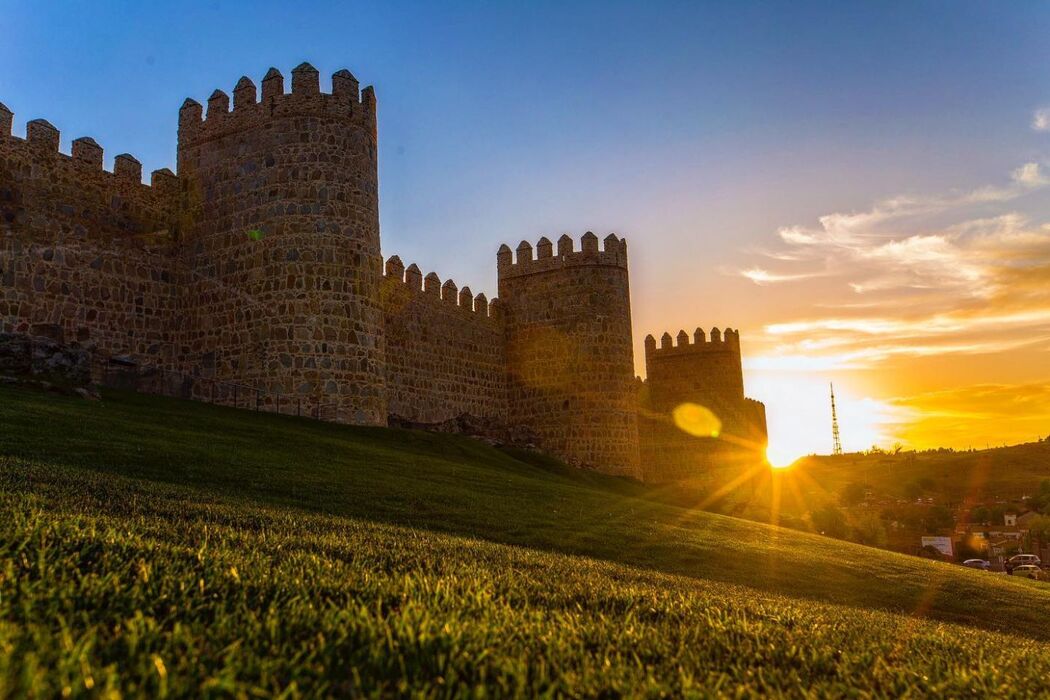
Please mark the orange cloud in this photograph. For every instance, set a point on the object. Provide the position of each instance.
(971, 285)
(913, 294)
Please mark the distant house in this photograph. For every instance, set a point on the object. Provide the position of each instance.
(1025, 519)
(996, 539)
(994, 532)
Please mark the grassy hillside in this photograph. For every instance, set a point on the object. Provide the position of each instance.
(155, 546)
(982, 475)
(950, 479)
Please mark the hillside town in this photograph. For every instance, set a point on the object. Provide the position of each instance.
(995, 529)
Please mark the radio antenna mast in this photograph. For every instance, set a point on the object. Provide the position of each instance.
(836, 442)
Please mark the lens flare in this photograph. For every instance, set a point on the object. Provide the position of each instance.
(697, 420)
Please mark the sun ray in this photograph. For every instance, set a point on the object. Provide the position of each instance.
(802, 475)
(775, 487)
(730, 486)
(796, 492)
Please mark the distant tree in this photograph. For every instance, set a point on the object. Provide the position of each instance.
(939, 518)
(830, 521)
(1040, 502)
(998, 511)
(914, 518)
(981, 515)
(912, 490)
(870, 530)
(897, 448)
(853, 494)
(1039, 529)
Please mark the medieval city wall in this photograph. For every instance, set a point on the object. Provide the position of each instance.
(570, 360)
(280, 210)
(48, 196)
(705, 371)
(259, 265)
(445, 352)
(120, 298)
(85, 249)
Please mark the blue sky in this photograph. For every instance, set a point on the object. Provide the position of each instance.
(698, 130)
(512, 119)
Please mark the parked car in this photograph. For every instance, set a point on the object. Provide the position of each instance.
(1022, 559)
(1029, 571)
(981, 564)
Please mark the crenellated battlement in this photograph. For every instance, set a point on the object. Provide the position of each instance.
(682, 344)
(447, 293)
(40, 147)
(570, 364)
(6, 119)
(346, 101)
(701, 369)
(260, 264)
(544, 258)
(47, 196)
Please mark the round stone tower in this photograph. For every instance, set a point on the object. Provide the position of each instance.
(280, 243)
(570, 361)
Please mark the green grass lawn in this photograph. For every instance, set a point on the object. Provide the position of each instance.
(156, 547)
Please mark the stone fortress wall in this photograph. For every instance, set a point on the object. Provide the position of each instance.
(83, 248)
(701, 370)
(280, 209)
(570, 360)
(445, 350)
(260, 263)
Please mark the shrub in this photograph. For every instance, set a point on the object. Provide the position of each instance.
(830, 521)
(853, 494)
(870, 530)
(939, 518)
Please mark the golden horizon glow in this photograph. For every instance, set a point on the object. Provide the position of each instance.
(930, 313)
(798, 414)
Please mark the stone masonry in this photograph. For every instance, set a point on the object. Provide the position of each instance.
(259, 263)
(569, 357)
(705, 371)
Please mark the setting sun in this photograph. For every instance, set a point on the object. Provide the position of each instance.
(799, 416)
(780, 459)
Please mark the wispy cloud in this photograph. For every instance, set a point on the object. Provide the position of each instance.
(855, 231)
(760, 275)
(1041, 119)
(938, 275)
(1029, 175)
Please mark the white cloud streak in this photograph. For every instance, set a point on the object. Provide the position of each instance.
(930, 288)
(760, 276)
